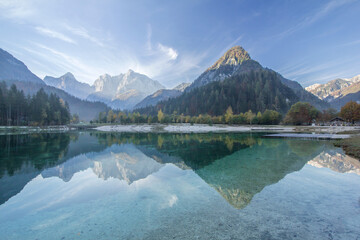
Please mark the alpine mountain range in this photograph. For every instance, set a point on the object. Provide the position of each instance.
(234, 76)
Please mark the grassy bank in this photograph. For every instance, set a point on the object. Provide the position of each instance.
(351, 146)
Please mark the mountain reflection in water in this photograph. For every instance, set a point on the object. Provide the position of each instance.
(238, 166)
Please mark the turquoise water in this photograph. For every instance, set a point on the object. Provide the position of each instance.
(89, 185)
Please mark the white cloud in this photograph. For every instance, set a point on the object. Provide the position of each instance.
(53, 34)
(170, 52)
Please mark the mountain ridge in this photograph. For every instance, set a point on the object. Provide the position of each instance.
(69, 84)
(123, 91)
(335, 88)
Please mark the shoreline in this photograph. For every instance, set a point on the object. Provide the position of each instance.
(203, 128)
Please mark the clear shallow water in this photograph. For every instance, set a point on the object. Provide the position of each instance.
(184, 186)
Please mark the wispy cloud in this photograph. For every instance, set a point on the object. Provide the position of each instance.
(82, 32)
(54, 34)
(16, 9)
(314, 17)
(84, 72)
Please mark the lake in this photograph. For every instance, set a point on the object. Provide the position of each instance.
(93, 185)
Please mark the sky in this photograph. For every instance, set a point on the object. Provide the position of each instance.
(175, 41)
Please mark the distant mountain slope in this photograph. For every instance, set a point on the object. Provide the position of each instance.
(182, 87)
(13, 69)
(339, 102)
(69, 84)
(162, 95)
(123, 91)
(330, 90)
(85, 109)
(338, 91)
(237, 61)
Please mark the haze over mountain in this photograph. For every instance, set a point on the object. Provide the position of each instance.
(162, 95)
(123, 91)
(69, 84)
(13, 71)
(338, 91)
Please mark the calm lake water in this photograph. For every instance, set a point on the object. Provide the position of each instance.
(91, 185)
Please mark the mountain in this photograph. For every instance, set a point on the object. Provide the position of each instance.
(123, 91)
(238, 81)
(234, 61)
(237, 61)
(69, 84)
(162, 95)
(13, 69)
(256, 91)
(338, 91)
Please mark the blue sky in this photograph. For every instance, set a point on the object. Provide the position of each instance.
(175, 41)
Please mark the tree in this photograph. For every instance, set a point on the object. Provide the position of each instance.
(160, 116)
(249, 116)
(350, 112)
(229, 114)
(75, 118)
(109, 117)
(271, 117)
(301, 113)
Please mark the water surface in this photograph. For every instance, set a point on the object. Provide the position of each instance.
(91, 185)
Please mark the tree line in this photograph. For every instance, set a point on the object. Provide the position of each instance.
(41, 109)
(300, 113)
(267, 117)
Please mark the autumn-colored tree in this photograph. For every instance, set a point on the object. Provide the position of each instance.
(160, 116)
(109, 117)
(228, 114)
(350, 112)
(301, 113)
(249, 116)
(327, 115)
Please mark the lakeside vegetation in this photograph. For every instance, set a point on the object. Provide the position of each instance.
(300, 113)
(351, 146)
(40, 109)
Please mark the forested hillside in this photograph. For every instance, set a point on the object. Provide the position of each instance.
(40, 109)
(256, 91)
(86, 110)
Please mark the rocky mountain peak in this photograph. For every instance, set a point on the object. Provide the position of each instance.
(68, 75)
(234, 56)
